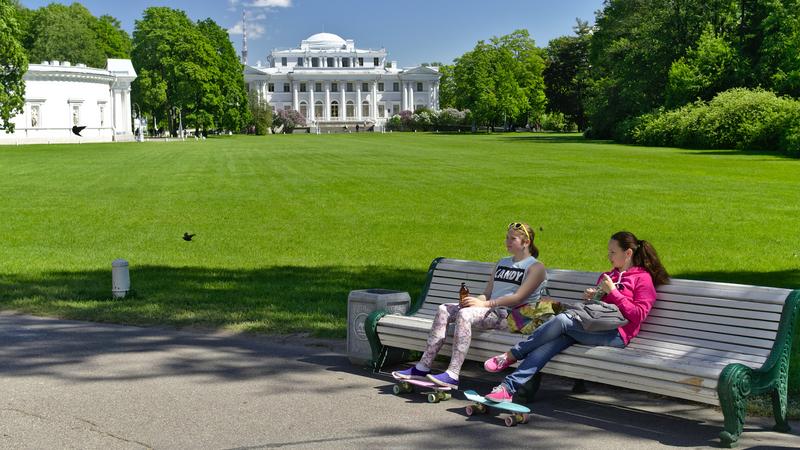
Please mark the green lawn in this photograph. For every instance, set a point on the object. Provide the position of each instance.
(288, 225)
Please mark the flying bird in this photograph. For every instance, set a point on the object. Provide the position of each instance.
(187, 237)
(76, 130)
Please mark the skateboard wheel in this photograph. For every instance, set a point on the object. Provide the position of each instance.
(510, 422)
(407, 387)
(432, 398)
(469, 410)
(481, 408)
(447, 396)
(526, 418)
(397, 389)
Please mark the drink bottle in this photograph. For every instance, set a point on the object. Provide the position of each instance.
(462, 294)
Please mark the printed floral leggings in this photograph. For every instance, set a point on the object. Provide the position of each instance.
(465, 319)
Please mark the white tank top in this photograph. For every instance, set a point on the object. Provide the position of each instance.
(509, 275)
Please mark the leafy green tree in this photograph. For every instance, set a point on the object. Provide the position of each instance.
(72, 33)
(260, 118)
(233, 114)
(499, 82)
(705, 70)
(178, 67)
(13, 65)
(566, 71)
(447, 87)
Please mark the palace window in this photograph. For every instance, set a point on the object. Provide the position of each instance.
(283, 61)
(351, 110)
(334, 109)
(365, 109)
(376, 61)
(395, 108)
(361, 62)
(318, 108)
(287, 107)
(286, 87)
(303, 109)
(419, 87)
(101, 110)
(302, 87)
(349, 87)
(345, 62)
(330, 62)
(271, 87)
(381, 110)
(318, 87)
(300, 62)
(315, 62)
(36, 111)
(75, 109)
(396, 87)
(334, 86)
(380, 87)
(364, 87)
(418, 107)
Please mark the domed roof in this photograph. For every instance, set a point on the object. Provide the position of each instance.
(325, 40)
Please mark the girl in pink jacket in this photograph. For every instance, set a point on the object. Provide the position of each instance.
(636, 272)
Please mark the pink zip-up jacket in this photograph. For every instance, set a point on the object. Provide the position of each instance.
(634, 296)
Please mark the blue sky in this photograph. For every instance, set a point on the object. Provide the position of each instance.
(412, 31)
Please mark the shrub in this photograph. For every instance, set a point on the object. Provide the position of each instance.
(737, 118)
(554, 121)
(289, 119)
(450, 117)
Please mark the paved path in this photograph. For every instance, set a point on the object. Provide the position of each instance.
(68, 384)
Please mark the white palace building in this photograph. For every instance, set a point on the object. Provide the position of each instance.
(60, 95)
(333, 84)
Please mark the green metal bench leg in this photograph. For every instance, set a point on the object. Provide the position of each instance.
(734, 387)
(779, 407)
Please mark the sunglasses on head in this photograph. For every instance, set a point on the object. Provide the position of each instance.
(516, 226)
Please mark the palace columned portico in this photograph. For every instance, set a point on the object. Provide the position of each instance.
(332, 83)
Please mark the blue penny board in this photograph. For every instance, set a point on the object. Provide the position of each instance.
(506, 406)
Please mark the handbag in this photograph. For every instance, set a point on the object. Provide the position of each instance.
(529, 316)
(597, 315)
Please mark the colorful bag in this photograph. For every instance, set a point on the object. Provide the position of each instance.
(527, 317)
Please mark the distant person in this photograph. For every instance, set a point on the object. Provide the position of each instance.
(514, 281)
(630, 284)
(357, 128)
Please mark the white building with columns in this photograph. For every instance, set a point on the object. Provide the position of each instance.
(59, 95)
(332, 83)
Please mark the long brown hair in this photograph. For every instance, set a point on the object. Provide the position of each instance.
(644, 256)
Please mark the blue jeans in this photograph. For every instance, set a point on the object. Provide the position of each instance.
(549, 340)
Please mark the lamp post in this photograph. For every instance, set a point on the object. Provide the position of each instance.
(180, 121)
(138, 118)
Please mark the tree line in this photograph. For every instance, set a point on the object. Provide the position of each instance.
(639, 57)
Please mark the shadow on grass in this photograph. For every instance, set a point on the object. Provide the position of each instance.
(270, 300)
(731, 152)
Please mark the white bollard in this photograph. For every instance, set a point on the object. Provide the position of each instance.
(120, 278)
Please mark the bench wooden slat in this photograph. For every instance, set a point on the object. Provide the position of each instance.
(688, 308)
(702, 395)
(666, 337)
(710, 330)
(640, 370)
(737, 322)
(680, 350)
(740, 341)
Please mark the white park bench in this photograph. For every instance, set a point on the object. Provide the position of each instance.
(709, 342)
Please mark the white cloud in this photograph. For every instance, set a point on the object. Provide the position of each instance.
(270, 3)
(254, 30)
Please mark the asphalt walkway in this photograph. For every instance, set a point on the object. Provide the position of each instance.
(69, 384)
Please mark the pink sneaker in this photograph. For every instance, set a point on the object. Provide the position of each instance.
(497, 363)
(499, 394)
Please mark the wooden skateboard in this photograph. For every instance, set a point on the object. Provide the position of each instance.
(519, 413)
(435, 393)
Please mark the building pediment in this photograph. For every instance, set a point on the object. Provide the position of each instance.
(422, 70)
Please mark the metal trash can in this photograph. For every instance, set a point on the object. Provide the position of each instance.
(359, 305)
